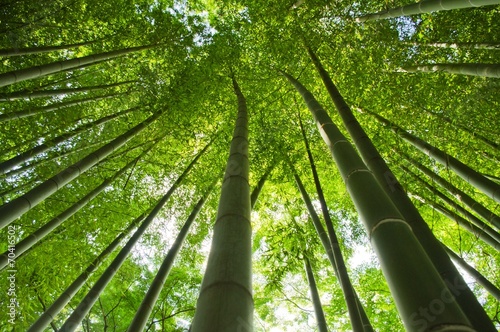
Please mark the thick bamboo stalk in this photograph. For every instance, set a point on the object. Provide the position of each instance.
(318, 308)
(56, 92)
(59, 66)
(32, 239)
(88, 301)
(53, 107)
(410, 274)
(385, 177)
(461, 196)
(144, 311)
(16, 208)
(480, 279)
(471, 69)
(426, 6)
(225, 303)
(48, 316)
(471, 176)
(35, 151)
(359, 319)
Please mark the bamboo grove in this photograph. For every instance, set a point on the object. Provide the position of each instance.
(250, 165)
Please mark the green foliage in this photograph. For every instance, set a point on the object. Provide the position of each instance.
(200, 45)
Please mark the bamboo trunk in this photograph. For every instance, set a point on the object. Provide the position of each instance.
(480, 279)
(225, 303)
(474, 178)
(318, 308)
(357, 315)
(471, 69)
(470, 217)
(53, 107)
(46, 229)
(479, 46)
(35, 151)
(17, 207)
(6, 52)
(411, 276)
(48, 316)
(475, 206)
(88, 301)
(59, 66)
(386, 179)
(426, 6)
(144, 311)
(56, 92)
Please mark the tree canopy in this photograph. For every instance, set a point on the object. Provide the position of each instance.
(122, 96)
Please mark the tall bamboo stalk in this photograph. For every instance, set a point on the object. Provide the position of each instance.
(480, 279)
(144, 311)
(426, 6)
(6, 52)
(359, 320)
(482, 46)
(474, 178)
(460, 195)
(468, 130)
(411, 276)
(59, 66)
(63, 299)
(474, 230)
(53, 107)
(26, 94)
(41, 148)
(256, 191)
(17, 207)
(88, 301)
(470, 217)
(29, 241)
(318, 308)
(225, 303)
(386, 179)
(358, 317)
(472, 69)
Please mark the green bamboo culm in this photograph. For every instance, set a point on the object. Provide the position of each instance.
(56, 92)
(471, 69)
(59, 66)
(53, 107)
(6, 52)
(385, 177)
(32, 239)
(357, 315)
(480, 226)
(48, 315)
(318, 308)
(144, 311)
(426, 6)
(358, 318)
(488, 285)
(91, 297)
(474, 178)
(25, 156)
(225, 303)
(17, 207)
(411, 276)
